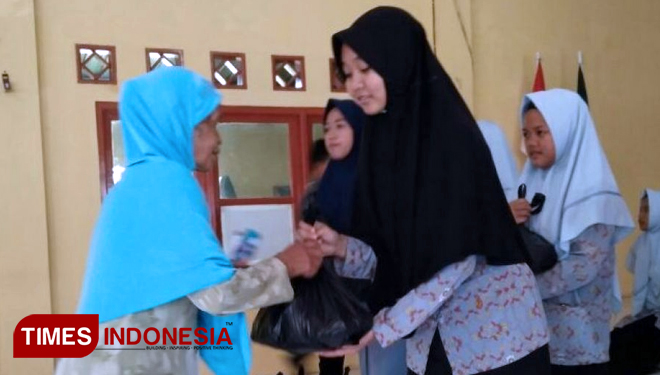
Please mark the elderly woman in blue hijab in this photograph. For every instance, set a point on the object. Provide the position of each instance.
(154, 259)
(584, 216)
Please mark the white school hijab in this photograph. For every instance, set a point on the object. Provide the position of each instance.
(502, 156)
(580, 188)
(644, 260)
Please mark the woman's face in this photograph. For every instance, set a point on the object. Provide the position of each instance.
(538, 140)
(364, 85)
(206, 142)
(643, 217)
(338, 135)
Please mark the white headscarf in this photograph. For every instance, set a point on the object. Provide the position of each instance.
(502, 156)
(580, 188)
(644, 260)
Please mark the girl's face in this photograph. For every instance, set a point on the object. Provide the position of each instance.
(338, 135)
(206, 142)
(643, 217)
(364, 85)
(538, 140)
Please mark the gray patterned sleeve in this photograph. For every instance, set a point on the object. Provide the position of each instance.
(263, 284)
(360, 261)
(588, 258)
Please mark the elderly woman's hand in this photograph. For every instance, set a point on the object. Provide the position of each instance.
(302, 258)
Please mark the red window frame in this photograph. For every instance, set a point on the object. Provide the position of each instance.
(162, 51)
(276, 59)
(106, 112)
(299, 120)
(229, 56)
(112, 64)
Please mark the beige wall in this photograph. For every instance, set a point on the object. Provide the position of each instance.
(24, 275)
(259, 28)
(454, 40)
(621, 49)
(487, 46)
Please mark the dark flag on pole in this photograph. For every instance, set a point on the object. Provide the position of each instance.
(581, 85)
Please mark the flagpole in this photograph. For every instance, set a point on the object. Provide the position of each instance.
(580, 58)
(581, 86)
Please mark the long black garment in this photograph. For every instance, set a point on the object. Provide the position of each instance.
(593, 369)
(635, 348)
(531, 364)
(428, 194)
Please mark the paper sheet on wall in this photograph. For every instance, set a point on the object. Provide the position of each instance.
(273, 223)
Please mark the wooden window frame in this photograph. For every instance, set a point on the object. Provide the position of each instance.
(299, 119)
(229, 56)
(333, 76)
(161, 51)
(303, 75)
(112, 64)
(106, 112)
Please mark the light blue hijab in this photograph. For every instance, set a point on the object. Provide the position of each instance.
(644, 260)
(502, 156)
(580, 187)
(153, 242)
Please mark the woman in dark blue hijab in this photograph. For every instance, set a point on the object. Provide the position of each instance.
(343, 122)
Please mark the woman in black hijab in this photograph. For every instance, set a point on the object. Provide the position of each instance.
(451, 274)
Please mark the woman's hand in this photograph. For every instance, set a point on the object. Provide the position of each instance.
(332, 243)
(350, 349)
(521, 210)
(306, 232)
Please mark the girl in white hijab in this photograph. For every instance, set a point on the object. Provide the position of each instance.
(644, 257)
(635, 347)
(502, 156)
(584, 216)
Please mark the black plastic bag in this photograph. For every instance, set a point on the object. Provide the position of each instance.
(542, 253)
(324, 314)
